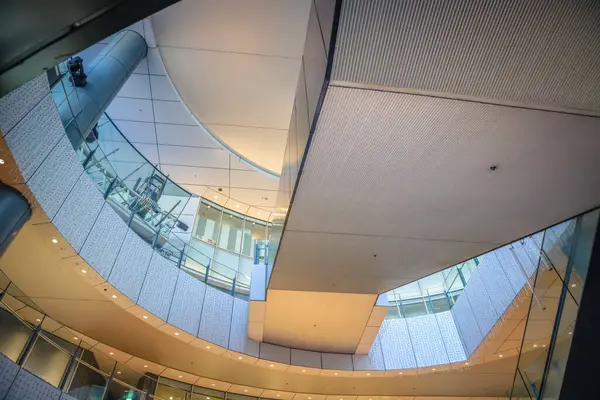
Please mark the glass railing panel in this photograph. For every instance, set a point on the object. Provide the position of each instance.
(14, 334)
(172, 390)
(131, 377)
(47, 360)
(560, 349)
(208, 220)
(118, 390)
(580, 259)
(230, 235)
(86, 382)
(519, 389)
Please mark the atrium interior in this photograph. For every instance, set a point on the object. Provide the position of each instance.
(299, 200)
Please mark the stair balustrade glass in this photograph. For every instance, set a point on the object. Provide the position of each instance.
(151, 203)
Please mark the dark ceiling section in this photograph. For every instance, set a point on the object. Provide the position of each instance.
(38, 34)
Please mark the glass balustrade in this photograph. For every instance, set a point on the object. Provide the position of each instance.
(552, 316)
(224, 245)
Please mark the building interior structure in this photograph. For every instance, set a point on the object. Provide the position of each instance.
(299, 200)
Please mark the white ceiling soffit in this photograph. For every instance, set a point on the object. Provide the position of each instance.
(236, 63)
(538, 53)
(399, 186)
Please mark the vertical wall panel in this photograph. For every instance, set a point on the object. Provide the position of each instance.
(336, 361)
(49, 191)
(15, 105)
(376, 353)
(480, 302)
(186, 306)
(515, 274)
(77, 215)
(29, 386)
(131, 266)
(238, 337)
(159, 285)
(396, 346)
(216, 317)
(32, 139)
(427, 340)
(496, 283)
(466, 324)
(275, 353)
(102, 246)
(451, 337)
(8, 372)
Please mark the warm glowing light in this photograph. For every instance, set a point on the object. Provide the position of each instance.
(118, 372)
(368, 374)
(75, 338)
(573, 285)
(208, 347)
(54, 240)
(335, 373)
(303, 370)
(145, 316)
(176, 333)
(114, 296)
(111, 353)
(500, 355)
(38, 320)
(466, 363)
(535, 345)
(240, 357)
(145, 366)
(1, 161)
(433, 369)
(180, 376)
(399, 373)
(84, 271)
(271, 365)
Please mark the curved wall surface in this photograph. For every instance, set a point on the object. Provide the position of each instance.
(201, 314)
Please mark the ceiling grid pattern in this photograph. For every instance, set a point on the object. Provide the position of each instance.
(150, 113)
(534, 53)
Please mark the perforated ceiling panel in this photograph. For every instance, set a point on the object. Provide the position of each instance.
(407, 179)
(538, 52)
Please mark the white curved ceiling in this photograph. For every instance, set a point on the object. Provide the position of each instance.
(236, 63)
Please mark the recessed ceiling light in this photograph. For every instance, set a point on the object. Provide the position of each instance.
(114, 296)
(240, 357)
(399, 373)
(246, 390)
(208, 347)
(208, 398)
(75, 338)
(237, 206)
(145, 316)
(38, 320)
(368, 374)
(111, 353)
(84, 271)
(213, 384)
(535, 345)
(118, 372)
(1, 161)
(271, 365)
(310, 398)
(180, 376)
(335, 373)
(277, 394)
(303, 370)
(570, 333)
(216, 197)
(433, 369)
(170, 397)
(145, 366)
(467, 363)
(500, 355)
(259, 214)
(208, 206)
(176, 333)
(573, 285)
(54, 240)
(544, 345)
